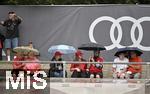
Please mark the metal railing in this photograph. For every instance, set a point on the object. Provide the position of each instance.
(5, 64)
(65, 63)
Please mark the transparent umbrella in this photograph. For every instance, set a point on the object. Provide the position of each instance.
(65, 49)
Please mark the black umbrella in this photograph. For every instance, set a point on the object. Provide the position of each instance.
(135, 49)
(121, 50)
(92, 47)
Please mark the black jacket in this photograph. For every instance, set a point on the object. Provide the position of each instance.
(54, 66)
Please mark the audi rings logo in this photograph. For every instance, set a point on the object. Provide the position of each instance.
(116, 24)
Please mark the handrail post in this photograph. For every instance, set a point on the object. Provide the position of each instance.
(64, 69)
(148, 71)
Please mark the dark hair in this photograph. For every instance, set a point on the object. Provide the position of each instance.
(54, 59)
(11, 12)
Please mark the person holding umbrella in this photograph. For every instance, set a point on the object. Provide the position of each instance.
(96, 69)
(32, 64)
(17, 64)
(119, 70)
(134, 70)
(56, 69)
(79, 70)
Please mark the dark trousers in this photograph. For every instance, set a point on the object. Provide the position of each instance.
(0, 53)
(81, 74)
(16, 72)
(54, 73)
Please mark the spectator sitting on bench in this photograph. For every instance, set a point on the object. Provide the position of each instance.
(79, 70)
(33, 64)
(17, 64)
(56, 69)
(119, 70)
(134, 70)
(96, 69)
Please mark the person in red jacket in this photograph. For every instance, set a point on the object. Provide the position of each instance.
(33, 64)
(79, 70)
(17, 64)
(134, 70)
(96, 69)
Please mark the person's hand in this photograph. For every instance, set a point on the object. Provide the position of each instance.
(91, 59)
(14, 14)
(137, 67)
(18, 17)
(114, 69)
(22, 65)
(101, 66)
(115, 72)
(97, 65)
(93, 65)
(129, 72)
(87, 70)
(92, 76)
(25, 68)
(77, 69)
(59, 67)
(2, 22)
(132, 66)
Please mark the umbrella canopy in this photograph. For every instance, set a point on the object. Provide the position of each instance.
(19, 49)
(135, 49)
(121, 50)
(65, 49)
(92, 47)
(35, 51)
(25, 49)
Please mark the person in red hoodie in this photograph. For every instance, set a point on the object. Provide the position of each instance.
(17, 64)
(79, 69)
(96, 69)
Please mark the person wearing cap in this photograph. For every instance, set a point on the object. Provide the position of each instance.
(56, 69)
(96, 69)
(12, 32)
(79, 70)
(134, 70)
(119, 70)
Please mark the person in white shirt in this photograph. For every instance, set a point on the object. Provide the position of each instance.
(119, 70)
